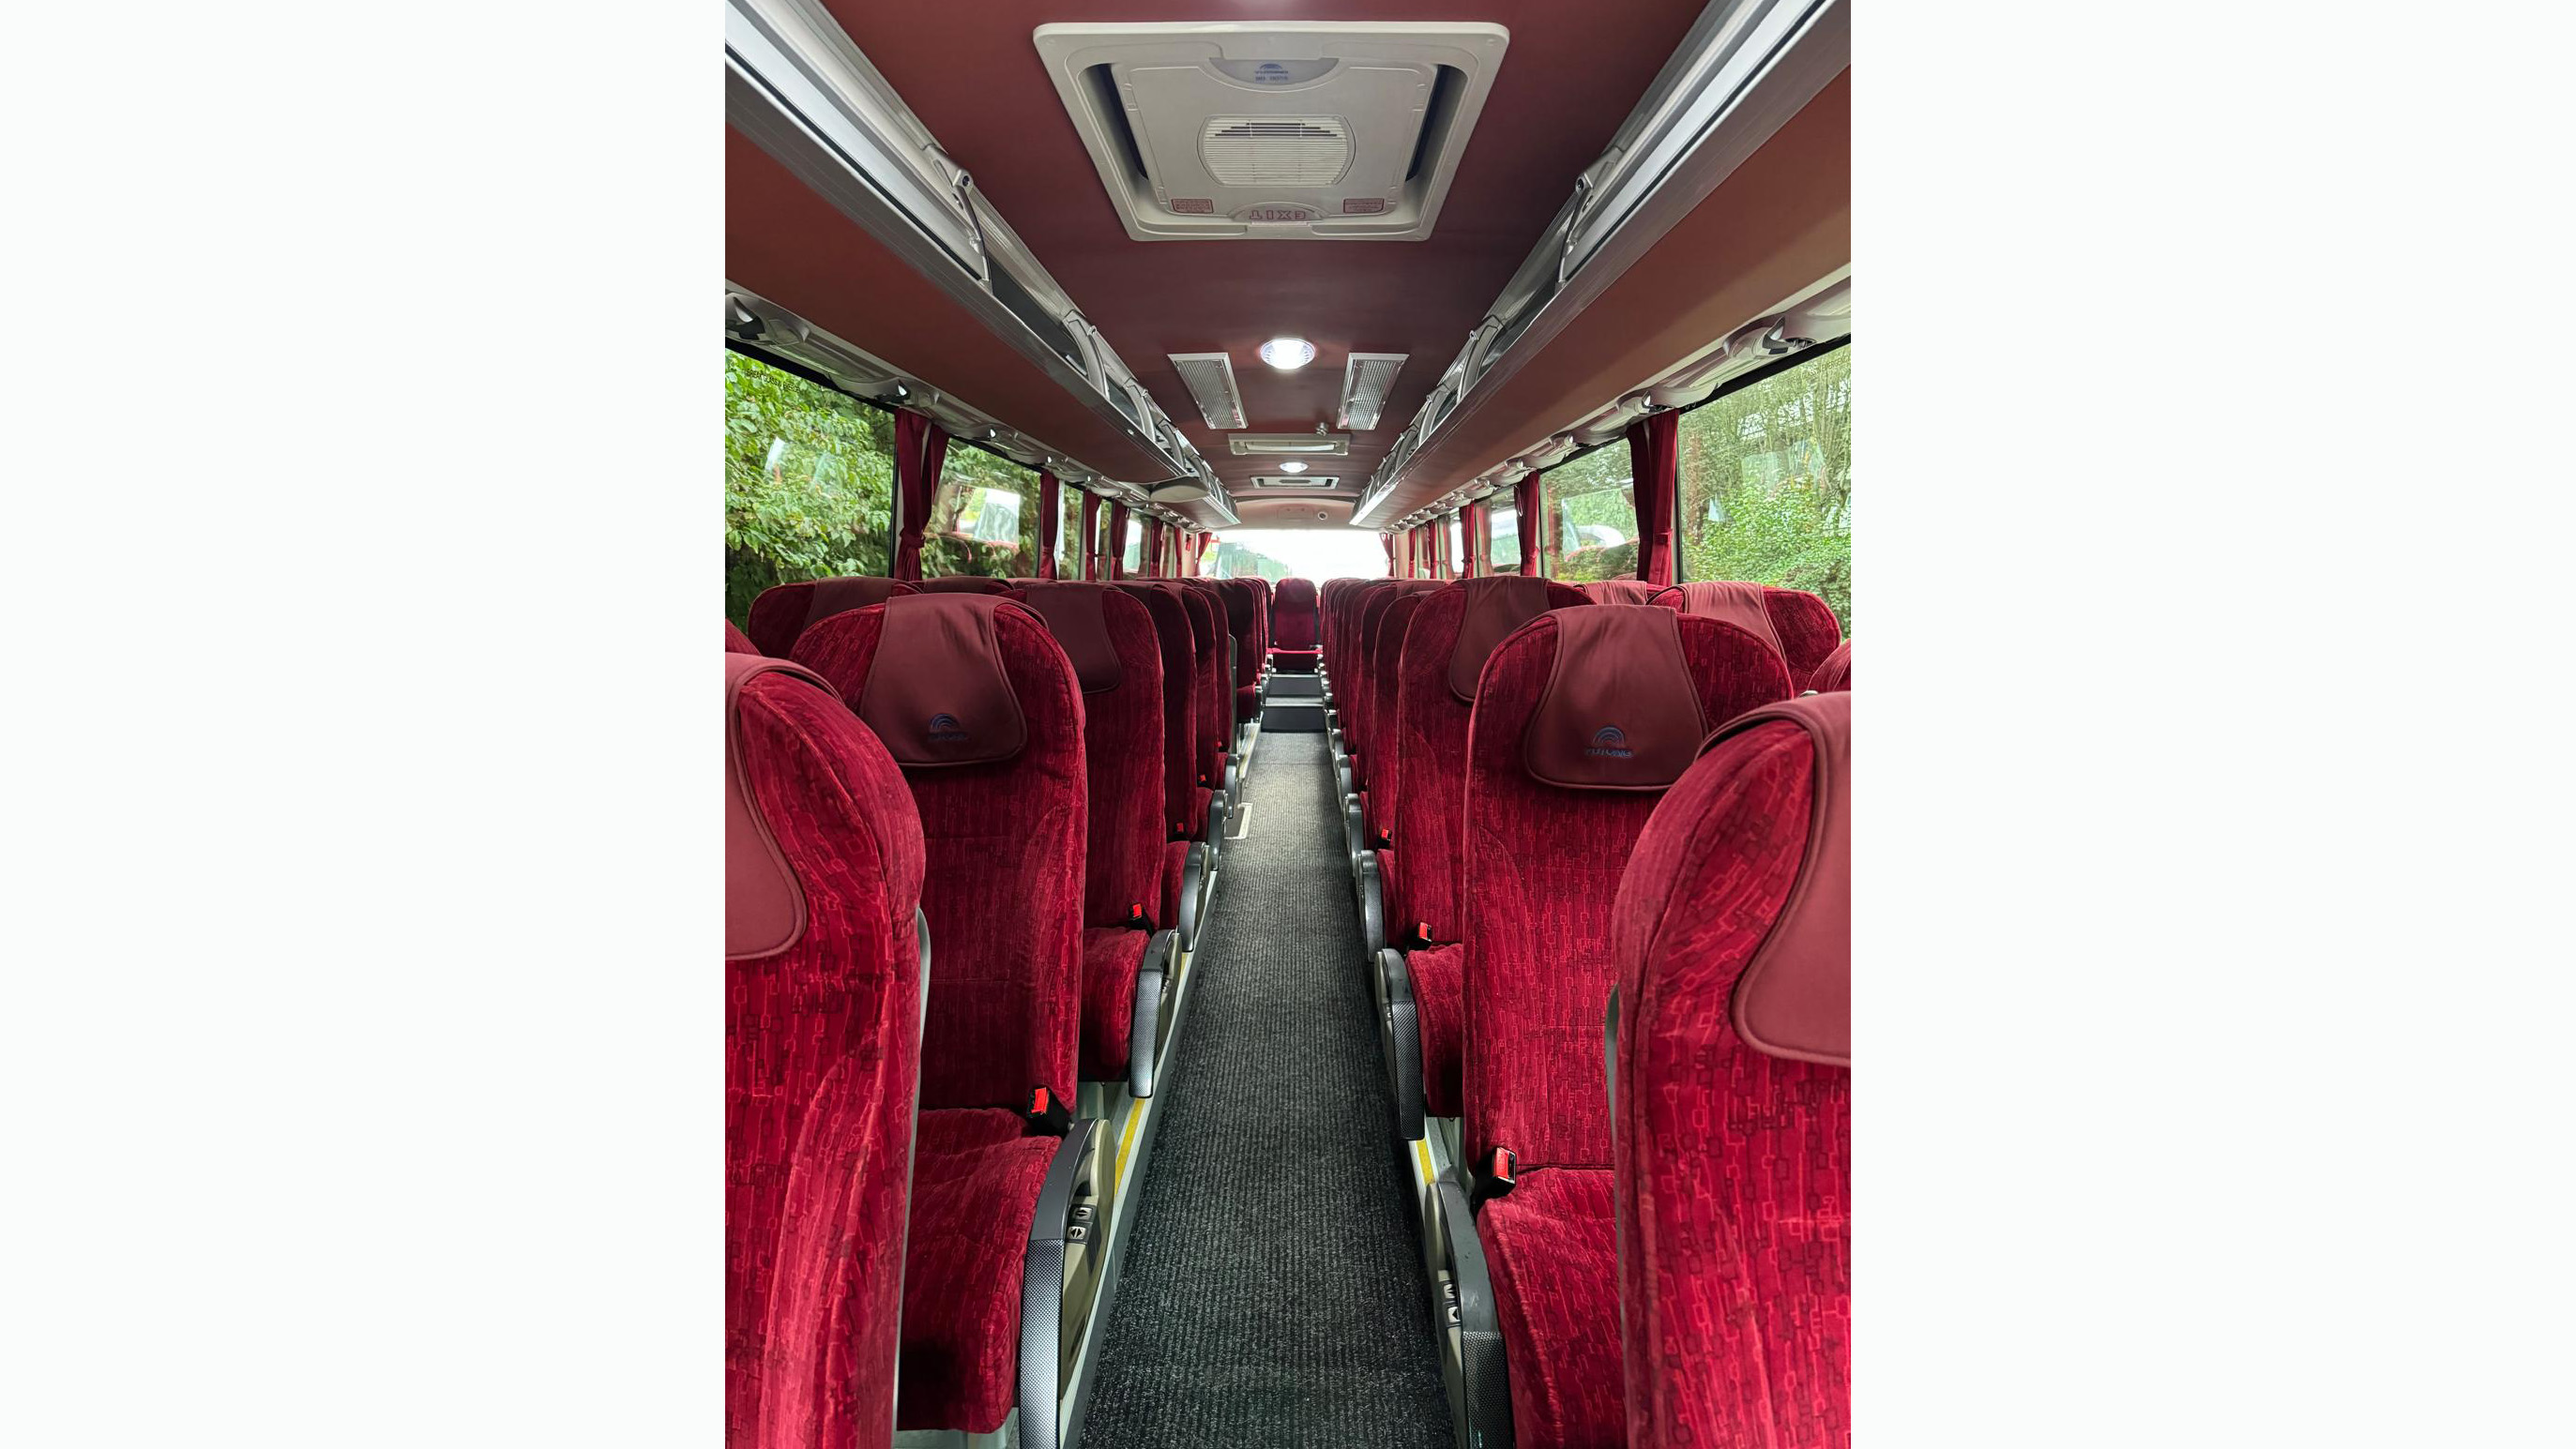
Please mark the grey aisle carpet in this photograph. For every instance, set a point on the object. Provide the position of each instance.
(1273, 1294)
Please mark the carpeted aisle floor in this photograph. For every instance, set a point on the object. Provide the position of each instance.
(1273, 1294)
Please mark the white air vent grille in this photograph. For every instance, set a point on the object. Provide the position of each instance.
(1366, 379)
(1306, 481)
(1335, 445)
(1276, 150)
(1210, 378)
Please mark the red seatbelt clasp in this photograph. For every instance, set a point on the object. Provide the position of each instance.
(1047, 1114)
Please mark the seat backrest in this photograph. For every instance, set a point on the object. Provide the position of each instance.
(785, 611)
(1243, 621)
(979, 706)
(1292, 615)
(1383, 647)
(1117, 663)
(1630, 591)
(1835, 673)
(1583, 719)
(964, 584)
(736, 642)
(1350, 663)
(1740, 605)
(823, 868)
(1213, 707)
(1454, 631)
(1806, 625)
(1733, 1091)
(1180, 704)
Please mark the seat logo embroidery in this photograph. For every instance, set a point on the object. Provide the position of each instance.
(945, 730)
(1612, 741)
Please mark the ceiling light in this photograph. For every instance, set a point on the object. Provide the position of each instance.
(1287, 353)
(1293, 465)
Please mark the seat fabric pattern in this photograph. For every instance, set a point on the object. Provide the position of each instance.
(1734, 1166)
(784, 611)
(821, 1055)
(1111, 956)
(1180, 706)
(1377, 748)
(1835, 673)
(1207, 672)
(1293, 621)
(976, 1175)
(1543, 866)
(1004, 883)
(1122, 745)
(1439, 1014)
(1548, 1244)
(1806, 625)
(736, 642)
(1630, 591)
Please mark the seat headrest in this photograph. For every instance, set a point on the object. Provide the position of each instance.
(1733, 603)
(1078, 616)
(964, 584)
(736, 642)
(1495, 607)
(1630, 591)
(1794, 998)
(1835, 673)
(764, 903)
(937, 692)
(840, 596)
(1620, 710)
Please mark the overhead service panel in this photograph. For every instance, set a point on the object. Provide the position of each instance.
(1319, 131)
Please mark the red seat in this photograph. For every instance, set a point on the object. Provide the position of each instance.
(1381, 907)
(981, 709)
(1117, 660)
(1630, 591)
(963, 584)
(1741, 605)
(1835, 673)
(1293, 624)
(1185, 853)
(823, 869)
(1243, 620)
(1583, 719)
(786, 611)
(736, 642)
(1806, 625)
(1732, 1070)
(1212, 709)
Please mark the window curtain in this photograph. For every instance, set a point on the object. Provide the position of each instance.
(1654, 458)
(1478, 545)
(1050, 521)
(920, 449)
(1091, 536)
(1115, 548)
(1150, 558)
(1420, 563)
(1525, 502)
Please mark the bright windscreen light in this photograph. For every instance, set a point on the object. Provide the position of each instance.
(1287, 352)
(1293, 465)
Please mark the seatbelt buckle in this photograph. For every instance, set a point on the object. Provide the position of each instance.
(1047, 1115)
(1496, 1177)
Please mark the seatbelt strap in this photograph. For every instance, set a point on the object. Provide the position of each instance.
(1047, 1116)
(1496, 1177)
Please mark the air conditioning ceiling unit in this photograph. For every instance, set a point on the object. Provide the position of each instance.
(1347, 130)
(1252, 445)
(1305, 482)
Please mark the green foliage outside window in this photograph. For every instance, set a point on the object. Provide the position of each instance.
(1592, 504)
(1766, 483)
(809, 483)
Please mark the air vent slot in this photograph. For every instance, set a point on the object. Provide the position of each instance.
(1366, 380)
(1210, 378)
(1333, 445)
(1304, 481)
(1276, 150)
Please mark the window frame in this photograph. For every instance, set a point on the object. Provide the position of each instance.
(1734, 385)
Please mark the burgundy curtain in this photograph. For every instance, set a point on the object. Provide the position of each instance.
(920, 449)
(1389, 540)
(1525, 502)
(1090, 536)
(1150, 558)
(1477, 543)
(1654, 456)
(1050, 521)
(1115, 548)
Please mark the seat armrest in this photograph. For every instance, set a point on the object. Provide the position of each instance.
(1482, 1378)
(1372, 907)
(1052, 1238)
(1157, 991)
(1193, 883)
(1400, 1038)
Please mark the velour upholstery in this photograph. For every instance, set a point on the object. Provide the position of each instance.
(1733, 1163)
(1078, 615)
(1429, 736)
(784, 611)
(1292, 618)
(1176, 860)
(963, 584)
(1548, 1248)
(1835, 673)
(976, 1175)
(1806, 625)
(1214, 702)
(1439, 1015)
(1629, 591)
(1247, 703)
(1634, 728)
(1111, 957)
(821, 1056)
(1377, 747)
(1122, 742)
(736, 642)
(1741, 605)
(1004, 883)
(1356, 690)
(939, 693)
(1542, 866)
(1242, 620)
(1180, 707)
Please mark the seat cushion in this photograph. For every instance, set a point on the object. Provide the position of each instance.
(1441, 1016)
(1550, 1247)
(975, 1183)
(1110, 958)
(1176, 863)
(1247, 703)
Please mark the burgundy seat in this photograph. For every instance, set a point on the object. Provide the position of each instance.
(1213, 707)
(1118, 664)
(1293, 624)
(1243, 620)
(823, 969)
(736, 642)
(1454, 631)
(1732, 1092)
(785, 611)
(1741, 605)
(1352, 610)
(1185, 853)
(964, 584)
(1835, 673)
(1378, 788)
(1806, 625)
(980, 708)
(1630, 591)
(1583, 719)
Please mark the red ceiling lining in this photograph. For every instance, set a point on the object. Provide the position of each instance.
(1569, 77)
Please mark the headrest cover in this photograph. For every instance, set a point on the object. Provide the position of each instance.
(736, 642)
(1835, 673)
(1733, 603)
(840, 596)
(1495, 607)
(1794, 998)
(764, 904)
(937, 693)
(1078, 616)
(1631, 591)
(963, 584)
(1620, 711)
